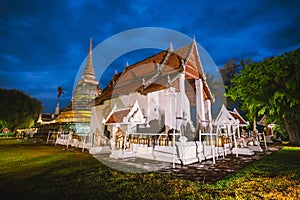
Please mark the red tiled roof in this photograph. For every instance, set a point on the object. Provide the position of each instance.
(118, 116)
(152, 74)
(236, 116)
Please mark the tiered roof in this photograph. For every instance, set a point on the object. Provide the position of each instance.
(158, 72)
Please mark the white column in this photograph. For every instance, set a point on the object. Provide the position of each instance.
(184, 101)
(199, 100)
(170, 116)
(209, 110)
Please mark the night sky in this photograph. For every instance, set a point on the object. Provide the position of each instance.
(43, 43)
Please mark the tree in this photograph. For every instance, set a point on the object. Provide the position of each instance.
(216, 86)
(228, 71)
(18, 110)
(272, 87)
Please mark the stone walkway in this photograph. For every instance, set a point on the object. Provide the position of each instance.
(207, 172)
(204, 172)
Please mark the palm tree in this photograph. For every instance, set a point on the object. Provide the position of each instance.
(60, 91)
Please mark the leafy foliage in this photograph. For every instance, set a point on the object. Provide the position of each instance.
(60, 91)
(2, 125)
(18, 110)
(228, 71)
(272, 87)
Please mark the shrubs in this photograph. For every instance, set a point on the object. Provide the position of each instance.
(9, 135)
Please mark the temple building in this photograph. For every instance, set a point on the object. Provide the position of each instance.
(77, 115)
(153, 100)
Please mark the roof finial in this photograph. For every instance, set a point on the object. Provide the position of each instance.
(91, 44)
(90, 61)
(170, 47)
(144, 82)
(127, 64)
(116, 71)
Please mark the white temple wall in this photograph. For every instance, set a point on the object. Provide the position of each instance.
(154, 106)
(99, 113)
(125, 101)
(142, 100)
(96, 119)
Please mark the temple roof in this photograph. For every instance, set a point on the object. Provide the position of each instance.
(118, 116)
(157, 72)
(226, 117)
(125, 115)
(237, 116)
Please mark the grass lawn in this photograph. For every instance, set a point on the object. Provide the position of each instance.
(33, 171)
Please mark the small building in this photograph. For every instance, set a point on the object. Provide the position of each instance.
(229, 123)
(46, 118)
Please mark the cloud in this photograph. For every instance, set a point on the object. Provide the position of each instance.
(44, 42)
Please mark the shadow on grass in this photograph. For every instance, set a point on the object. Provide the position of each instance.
(33, 171)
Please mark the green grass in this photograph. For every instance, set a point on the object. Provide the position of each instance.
(33, 171)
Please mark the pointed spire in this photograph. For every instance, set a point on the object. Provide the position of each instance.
(170, 47)
(127, 64)
(90, 60)
(89, 68)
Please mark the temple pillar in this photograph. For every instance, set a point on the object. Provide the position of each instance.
(199, 101)
(184, 101)
(170, 117)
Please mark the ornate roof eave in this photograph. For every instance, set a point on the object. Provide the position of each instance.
(200, 68)
(210, 95)
(159, 68)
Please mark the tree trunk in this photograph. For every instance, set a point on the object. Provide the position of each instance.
(293, 131)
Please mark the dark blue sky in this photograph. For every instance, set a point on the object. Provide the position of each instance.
(43, 43)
